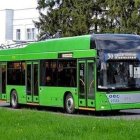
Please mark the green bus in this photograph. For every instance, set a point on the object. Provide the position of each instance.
(90, 72)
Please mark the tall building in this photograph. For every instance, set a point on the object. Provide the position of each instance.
(18, 25)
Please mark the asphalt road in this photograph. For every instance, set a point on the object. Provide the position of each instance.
(123, 114)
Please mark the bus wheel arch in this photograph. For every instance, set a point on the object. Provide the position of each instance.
(14, 99)
(69, 104)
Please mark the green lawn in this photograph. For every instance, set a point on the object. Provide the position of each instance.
(28, 124)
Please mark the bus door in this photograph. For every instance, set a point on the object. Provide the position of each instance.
(3, 81)
(32, 82)
(86, 83)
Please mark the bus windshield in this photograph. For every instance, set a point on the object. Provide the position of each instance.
(119, 74)
(129, 45)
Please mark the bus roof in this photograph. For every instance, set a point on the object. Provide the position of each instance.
(52, 45)
(69, 44)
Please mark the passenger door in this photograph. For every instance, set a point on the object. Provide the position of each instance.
(86, 83)
(3, 81)
(32, 87)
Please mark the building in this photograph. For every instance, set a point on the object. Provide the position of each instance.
(17, 25)
(6, 25)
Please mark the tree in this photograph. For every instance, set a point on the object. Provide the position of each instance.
(123, 16)
(72, 17)
(78, 17)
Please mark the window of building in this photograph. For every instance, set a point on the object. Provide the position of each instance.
(30, 33)
(18, 34)
(16, 73)
(33, 33)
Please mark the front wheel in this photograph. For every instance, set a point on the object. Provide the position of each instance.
(14, 99)
(69, 104)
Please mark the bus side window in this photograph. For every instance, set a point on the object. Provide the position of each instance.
(58, 73)
(67, 73)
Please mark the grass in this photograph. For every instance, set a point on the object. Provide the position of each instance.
(28, 124)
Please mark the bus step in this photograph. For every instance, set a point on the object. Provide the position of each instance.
(34, 104)
(85, 108)
(2, 101)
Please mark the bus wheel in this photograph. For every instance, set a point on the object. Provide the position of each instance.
(69, 104)
(14, 99)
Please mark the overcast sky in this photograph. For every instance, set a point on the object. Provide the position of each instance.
(17, 4)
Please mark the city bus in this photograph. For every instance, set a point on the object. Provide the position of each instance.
(96, 72)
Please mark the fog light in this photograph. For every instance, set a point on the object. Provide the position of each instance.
(102, 107)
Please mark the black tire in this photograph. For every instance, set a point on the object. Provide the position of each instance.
(14, 99)
(69, 104)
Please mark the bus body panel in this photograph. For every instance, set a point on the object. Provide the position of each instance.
(47, 55)
(102, 102)
(125, 106)
(124, 99)
(36, 50)
(85, 54)
(117, 100)
(54, 96)
(21, 93)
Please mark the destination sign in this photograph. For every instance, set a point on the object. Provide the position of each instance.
(122, 56)
(65, 55)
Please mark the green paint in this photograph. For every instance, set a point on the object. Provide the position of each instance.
(82, 102)
(29, 98)
(102, 102)
(3, 96)
(35, 99)
(54, 96)
(21, 92)
(84, 54)
(91, 103)
(46, 49)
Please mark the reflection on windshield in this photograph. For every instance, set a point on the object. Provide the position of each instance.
(119, 75)
(128, 45)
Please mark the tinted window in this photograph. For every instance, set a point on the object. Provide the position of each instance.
(67, 73)
(35, 66)
(16, 73)
(48, 75)
(29, 79)
(58, 73)
(4, 79)
(118, 44)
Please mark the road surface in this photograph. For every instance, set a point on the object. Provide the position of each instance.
(123, 114)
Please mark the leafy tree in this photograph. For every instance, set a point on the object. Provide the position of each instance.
(78, 17)
(123, 16)
(72, 17)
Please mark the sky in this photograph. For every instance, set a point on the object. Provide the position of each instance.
(17, 4)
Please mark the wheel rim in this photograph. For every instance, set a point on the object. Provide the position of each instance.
(14, 100)
(70, 104)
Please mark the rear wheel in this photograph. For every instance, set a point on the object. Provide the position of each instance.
(69, 104)
(14, 99)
